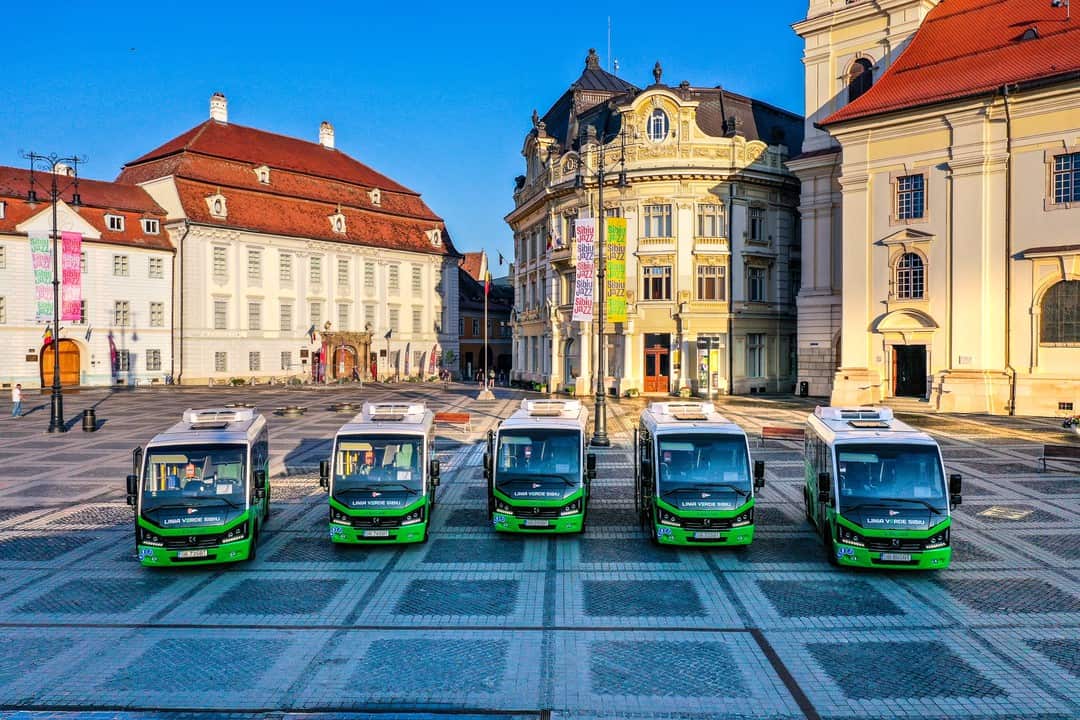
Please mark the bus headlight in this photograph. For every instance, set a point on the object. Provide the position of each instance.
(336, 516)
(667, 518)
(743, 519)
(500, 506)
(416, 516)
(149, 538)
(938, 541)
(237, 533)
(572, 509)
(850, 537)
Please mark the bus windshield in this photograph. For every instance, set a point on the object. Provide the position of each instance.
(378, 470)
(192, 485)
(703, 471)
(875, 475)
(538, 464)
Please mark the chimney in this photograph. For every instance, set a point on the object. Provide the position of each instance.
(219, 108)
(326, 135)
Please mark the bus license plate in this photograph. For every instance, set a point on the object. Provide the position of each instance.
(191, 553)
(536, 523)
(376, 533)
(896, 557)
(708, 535)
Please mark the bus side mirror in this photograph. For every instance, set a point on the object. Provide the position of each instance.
(487, 465)
(956, 483)
(824, 488)
(136, 460)
(646, 475)
(324, 474)
(258, 480)
(132, 489)
(759, 474)
(590, 466)
(433, 471)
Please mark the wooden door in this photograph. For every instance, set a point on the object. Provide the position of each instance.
(656, 369)
(70, 364)
(344, 361)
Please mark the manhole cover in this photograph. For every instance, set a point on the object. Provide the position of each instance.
(1005, 513)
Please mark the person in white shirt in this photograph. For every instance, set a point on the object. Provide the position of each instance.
(16, 400)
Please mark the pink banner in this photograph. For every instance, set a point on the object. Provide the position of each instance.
(434, 359)
(41, 261)
(584, 282)
(71, 275)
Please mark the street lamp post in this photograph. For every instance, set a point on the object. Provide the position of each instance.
(50, 163)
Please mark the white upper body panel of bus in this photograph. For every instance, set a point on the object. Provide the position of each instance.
(213, 426)
(554, 414)
(836, 425)
(390, 419)
(660, 418)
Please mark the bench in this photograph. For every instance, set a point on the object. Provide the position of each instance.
(454, 418)
(1060, 452)
(782, 433)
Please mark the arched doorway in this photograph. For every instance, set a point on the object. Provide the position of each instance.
(345, 360)
(70, 364)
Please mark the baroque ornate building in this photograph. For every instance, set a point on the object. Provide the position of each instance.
(712, 246)
(941, 204)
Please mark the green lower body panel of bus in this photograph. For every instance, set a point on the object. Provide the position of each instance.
(899, 550)
(565, 515)
(158, 547)
(707, 529)
(708, 538)
(508, 522)
(383, 527)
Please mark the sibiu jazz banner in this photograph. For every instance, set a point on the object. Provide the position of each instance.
(585, 281)
(41, 262)
(71, 276)
(615, 259)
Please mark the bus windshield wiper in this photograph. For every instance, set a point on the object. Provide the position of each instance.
(914, 500)
(705, 488)
(227, 501)
(533, 478)
(375, 488)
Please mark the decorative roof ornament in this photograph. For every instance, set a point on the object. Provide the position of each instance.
(535, 118)
(592, 60)
(657, 71)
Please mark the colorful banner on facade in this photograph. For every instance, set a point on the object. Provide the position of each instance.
(585, 282)
(71, 276)
(615, 259)
(434, 359)
(41, 262)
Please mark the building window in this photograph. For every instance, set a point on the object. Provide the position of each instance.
(1060, 320)
(369, 316)
(3, 310)
(254, 316)
(221, 362)
(369, 275)
(120, 265)
(657, 221)
(393, 320)
(286, 317)
(221, 268)
(342, 316)
(710, 220)
(221, 314)
(316, 271)
(315, 313)
(860, 78)
(115, 222)
(910, 197)
(82, 262)
(417, 280)
(475, 328)
(153, 360)
(755, 284)
(254, 361)
(121, 313)
(461, 327)
(150, 227)
(254, 258)
(82, 312)
(156, 267)
(286, 360)
(658, 125)
(285, 268)
(417, 321)
(613, 212)
(757, 224)
(1067, 178)
(755, 355)
(795, 283)
(124, 360)
(343, 273)
(394, 283)
(157, 314)
(710, 282)
(910, 277)
(657, 281)
(3, 209)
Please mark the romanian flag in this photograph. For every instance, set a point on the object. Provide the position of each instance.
(487, 283)
(47, 337)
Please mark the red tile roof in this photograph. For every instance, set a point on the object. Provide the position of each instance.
(972, 47)
(98, 198)
(472, 263)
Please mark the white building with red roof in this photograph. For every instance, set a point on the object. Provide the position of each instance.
(276, 236)
(941, 204)
(123, 335)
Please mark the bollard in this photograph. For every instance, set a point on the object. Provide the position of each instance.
(89, 420)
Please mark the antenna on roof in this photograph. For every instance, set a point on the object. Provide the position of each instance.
(609, 43)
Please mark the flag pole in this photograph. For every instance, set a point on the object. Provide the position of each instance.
(485, 393)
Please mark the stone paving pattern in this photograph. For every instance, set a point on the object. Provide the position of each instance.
(473, 624)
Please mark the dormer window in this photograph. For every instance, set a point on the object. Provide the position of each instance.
(115, 223)
(337, 223)
(263, 174)
(218, 206)
(375, 196)
(658, 126)
(3, 209)
(435, 237)
(150, 226)
(860, 78)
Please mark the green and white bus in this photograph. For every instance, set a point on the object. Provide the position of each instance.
(538, 473)
(200, 491)
(875, 490)
(382, 475)
(692, 476)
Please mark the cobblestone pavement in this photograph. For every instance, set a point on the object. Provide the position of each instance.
(470, 624)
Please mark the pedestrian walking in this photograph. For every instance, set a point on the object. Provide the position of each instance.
(16, 400)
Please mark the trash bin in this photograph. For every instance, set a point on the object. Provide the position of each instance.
(89, 420)
(804, 388)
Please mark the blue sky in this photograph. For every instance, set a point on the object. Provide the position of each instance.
(436, 95)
